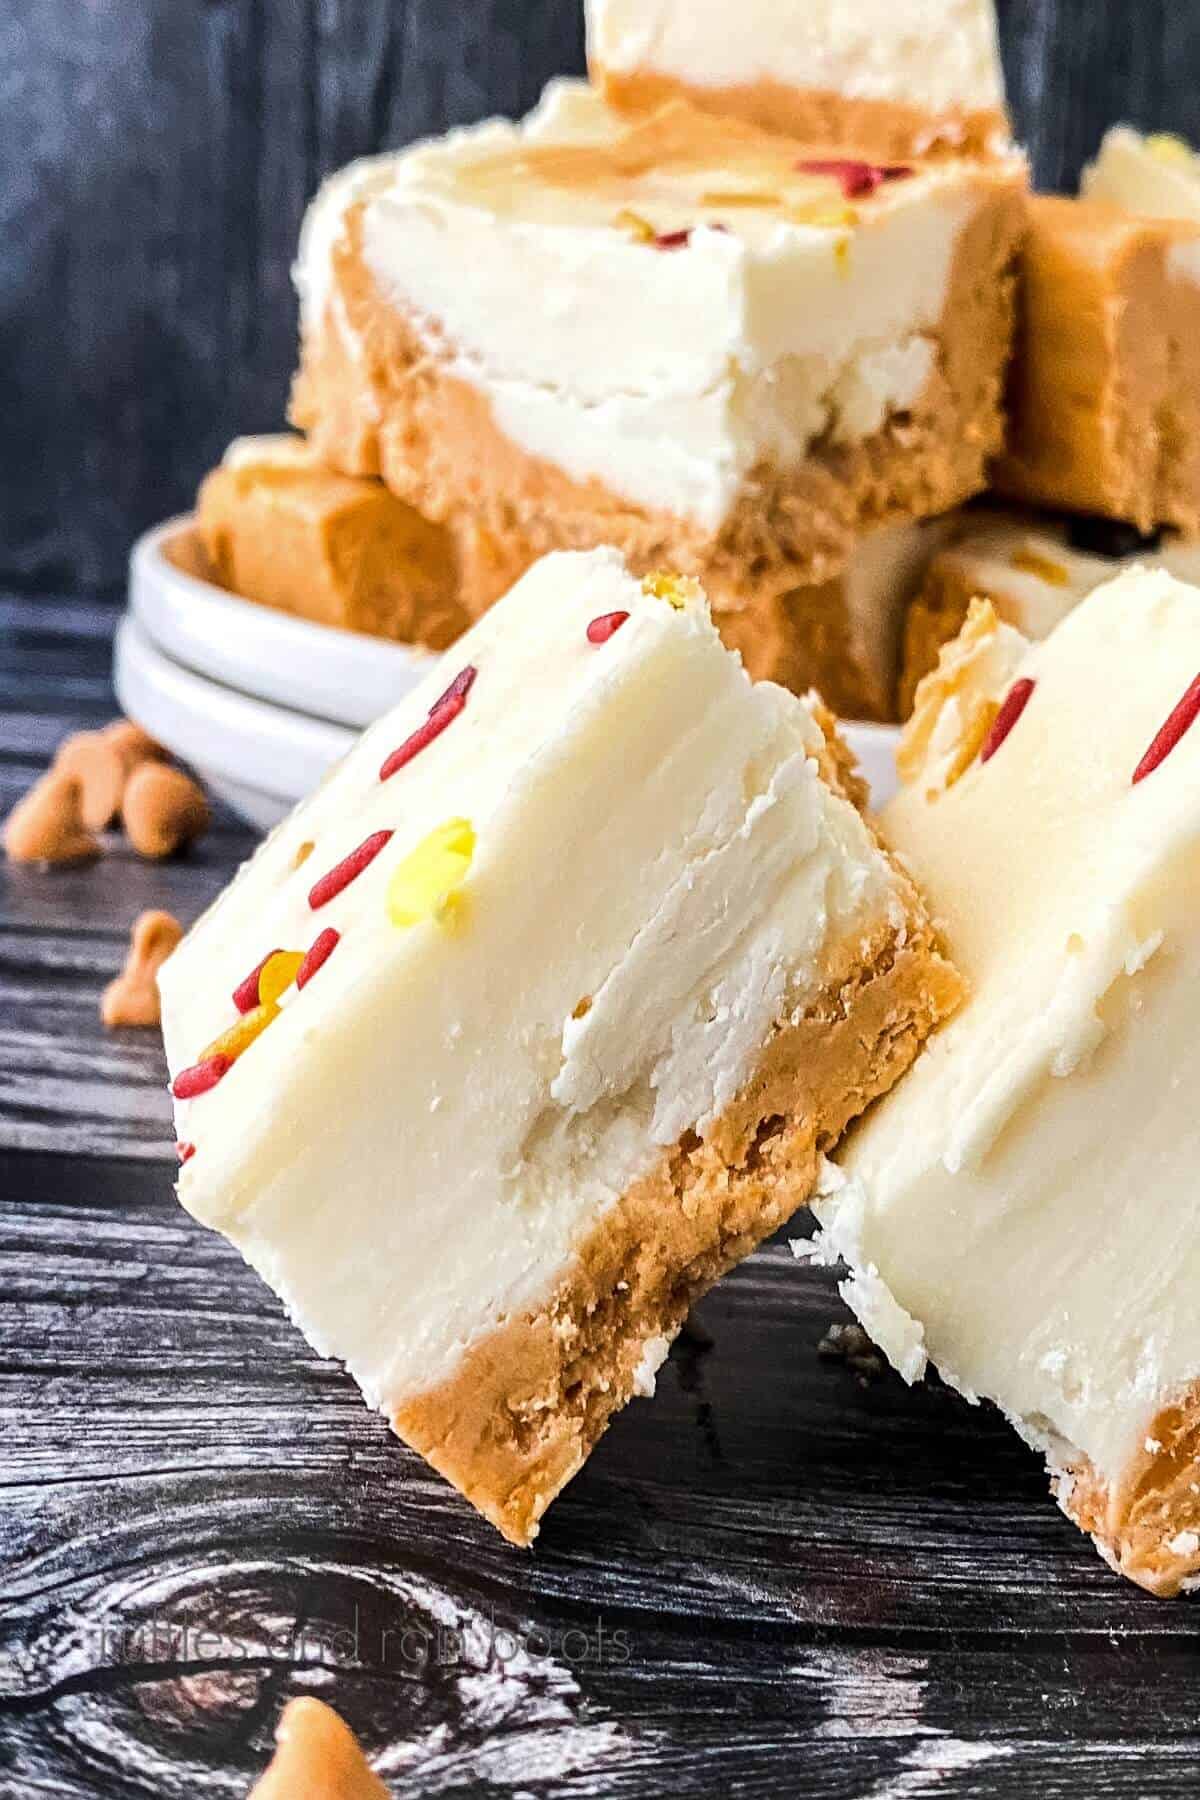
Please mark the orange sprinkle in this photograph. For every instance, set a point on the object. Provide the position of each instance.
(239, 1037)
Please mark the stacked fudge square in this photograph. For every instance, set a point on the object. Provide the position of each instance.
(1102, 464)
(763, 344)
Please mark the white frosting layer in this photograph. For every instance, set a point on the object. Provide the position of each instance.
(760, 336)
(940, 55)
(411, 1151)
(1156, 177)
(1028, 1196)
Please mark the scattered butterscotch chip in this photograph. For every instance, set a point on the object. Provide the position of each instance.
(132, 999)
(132, 744)
(48, 826)
(163, 809)
(104, 760)
(317, 1757)
(90, 756)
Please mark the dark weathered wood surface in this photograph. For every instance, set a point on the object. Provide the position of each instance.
(156, 156)
(802, 1585)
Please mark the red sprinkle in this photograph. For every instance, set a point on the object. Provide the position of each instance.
(185, 1152)
(856, 179)
(200, 1077)
(601, 629)
(319, 952)
(245, 994)
(678, 240)
(1014, 705)
(443, 712)
(1180, 721)
(339, 877)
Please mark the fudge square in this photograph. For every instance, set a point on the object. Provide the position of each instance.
(1033, 568)
(275, 525)
(1157, 177)
(724, 352)
(1105, 392)
(573, 968)
(1024, 1212)
(895, 75)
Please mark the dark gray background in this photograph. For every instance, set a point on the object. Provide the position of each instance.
(156, 156)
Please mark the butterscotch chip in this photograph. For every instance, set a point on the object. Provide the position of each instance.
(132, 999)
(317, 1758)
(48, 826)
(95, 760)
(163, 810)
(132, 744)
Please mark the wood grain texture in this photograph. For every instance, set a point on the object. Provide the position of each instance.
(155, 163)
(773, 1580)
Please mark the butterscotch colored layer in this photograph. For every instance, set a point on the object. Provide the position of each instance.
(326, 546)
(884, 128)
(802, 638)
(1105, 390)
(525, 1407)
(391, 403)
(1147, 1524)
(935, 618)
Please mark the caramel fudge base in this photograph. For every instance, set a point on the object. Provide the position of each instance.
(887, 129)
(394, 407)
(281, 529)
(1105, 391)
(1147, 1525)
(526, 1406)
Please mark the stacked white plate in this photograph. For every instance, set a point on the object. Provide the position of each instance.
(261, 704)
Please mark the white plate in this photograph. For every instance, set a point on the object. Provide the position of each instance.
(315, 669)
(258, 757)
(261, 758)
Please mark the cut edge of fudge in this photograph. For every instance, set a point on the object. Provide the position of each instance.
(1104, 395)
(382, 387)
(1084, 1328)
(716, 1086)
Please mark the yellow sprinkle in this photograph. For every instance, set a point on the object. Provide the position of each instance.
(303, 852)
(277, 975)
(1032, 562)
(1165, 147)
(239, 1037)
(634, 226)
(426, 883)
(824, 215)
(582, 1008)
(744, 197)
(841, 255)
(676, 590)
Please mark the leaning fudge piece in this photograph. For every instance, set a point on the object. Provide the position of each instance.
(1157, 177)
(1024, 1212)
(895, 75)
(554, 992)
(1034, 569)
(275, 525)
(717, 349)
(1105, 391)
